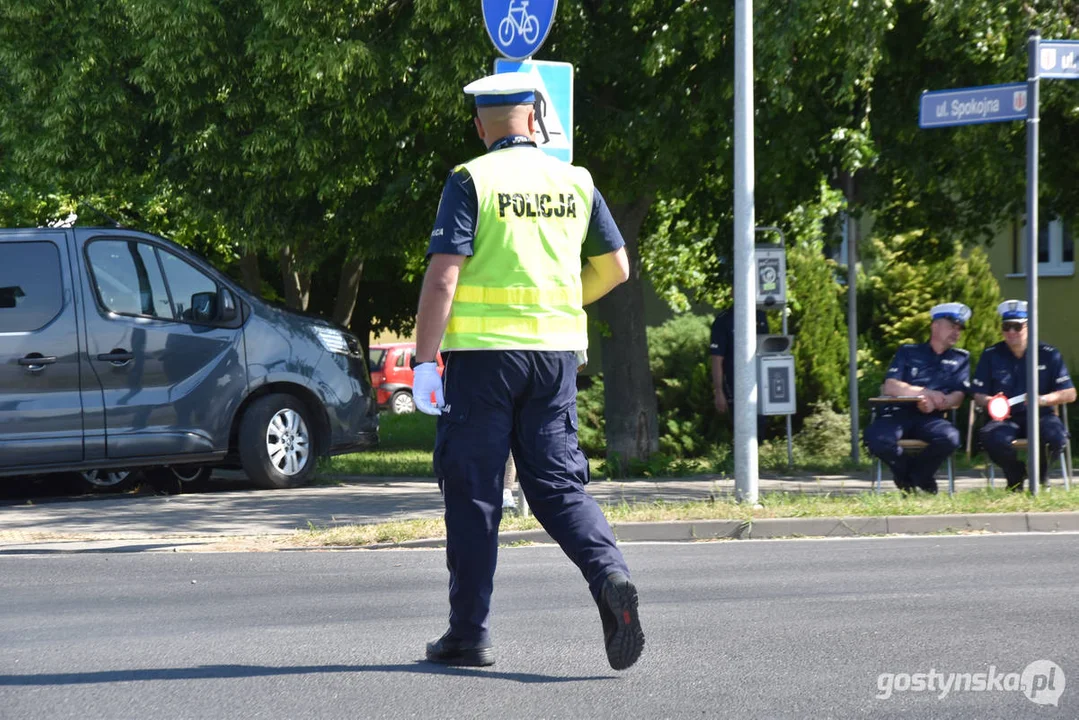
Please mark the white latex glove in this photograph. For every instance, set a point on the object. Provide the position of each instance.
(426, 380)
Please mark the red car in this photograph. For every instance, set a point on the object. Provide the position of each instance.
(391, 375)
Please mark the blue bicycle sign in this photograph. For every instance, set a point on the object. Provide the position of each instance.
(518, 27)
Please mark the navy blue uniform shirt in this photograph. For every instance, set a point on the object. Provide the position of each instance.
(919, 365)
(458, 211)
(723, 343)
(1000, 371)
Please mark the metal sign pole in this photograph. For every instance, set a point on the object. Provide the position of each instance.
(1033, 120)
(786, 311)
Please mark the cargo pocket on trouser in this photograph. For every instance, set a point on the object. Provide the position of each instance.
(576, 462)
(451, 433)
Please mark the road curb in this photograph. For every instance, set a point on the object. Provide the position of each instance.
(767, 528)
(846, 526)
(669, 531)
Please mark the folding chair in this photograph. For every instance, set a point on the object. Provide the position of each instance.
(913, 446)
(1065, 454)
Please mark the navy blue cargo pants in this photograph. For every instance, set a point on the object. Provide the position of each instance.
(997, 436)
(914, 470)
(525, 400)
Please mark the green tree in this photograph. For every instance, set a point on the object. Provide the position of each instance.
(818, 323)
(898, 291)
(315, 133)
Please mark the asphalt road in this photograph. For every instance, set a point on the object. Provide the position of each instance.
(791, 629)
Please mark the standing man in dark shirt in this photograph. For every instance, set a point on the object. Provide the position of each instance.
(1002, 368)
(722, 352)
(505, 291)
(938, 374)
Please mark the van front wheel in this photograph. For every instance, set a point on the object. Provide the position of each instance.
(276, 447)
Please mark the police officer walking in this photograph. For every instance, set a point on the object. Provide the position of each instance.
(937, 373)
(503, 294)
(1002, 369)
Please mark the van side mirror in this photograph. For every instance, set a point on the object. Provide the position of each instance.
(229, 312)
(204, 307)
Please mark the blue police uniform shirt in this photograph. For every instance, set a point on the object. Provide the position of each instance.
(918, 364)
(458, 211)
(723, 342)
(1000, 371)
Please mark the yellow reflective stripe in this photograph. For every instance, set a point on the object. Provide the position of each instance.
(517, 295)
(517, 326)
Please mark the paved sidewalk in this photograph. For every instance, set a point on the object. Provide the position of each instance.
(199, 517)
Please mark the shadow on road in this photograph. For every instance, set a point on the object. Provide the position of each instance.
(217, 672)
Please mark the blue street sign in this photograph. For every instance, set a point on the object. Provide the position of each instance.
(554, 81)
(970, 106)
(518, 27)
(1058, 59)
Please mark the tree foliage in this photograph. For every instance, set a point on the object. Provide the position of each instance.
(309, 139)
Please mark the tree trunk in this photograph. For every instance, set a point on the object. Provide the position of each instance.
(348, 285)
(296, 284)
(249, 268)
(629, 396)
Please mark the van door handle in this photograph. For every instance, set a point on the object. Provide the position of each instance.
(36, 362)
(117, 357)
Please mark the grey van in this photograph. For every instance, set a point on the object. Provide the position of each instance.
(120, 349)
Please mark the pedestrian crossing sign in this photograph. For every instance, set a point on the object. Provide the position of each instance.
(554, 82)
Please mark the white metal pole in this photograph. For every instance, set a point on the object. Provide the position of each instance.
(1033, 120)
(745, 297)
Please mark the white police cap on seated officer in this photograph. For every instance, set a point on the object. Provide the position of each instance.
(954, 311)
(1015, 310)
(513, 88)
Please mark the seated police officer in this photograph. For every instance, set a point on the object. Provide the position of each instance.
(937, 373)
(1002, 369)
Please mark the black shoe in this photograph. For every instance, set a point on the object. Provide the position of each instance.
(449, 650)
(622, 633)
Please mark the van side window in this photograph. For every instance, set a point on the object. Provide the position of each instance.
(195, 294)
(31, 286)
(128, 279)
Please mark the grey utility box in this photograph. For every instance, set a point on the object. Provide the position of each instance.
(775, 375)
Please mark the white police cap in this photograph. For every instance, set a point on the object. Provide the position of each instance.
(511, 88)
(1013, 310)
(954, 311)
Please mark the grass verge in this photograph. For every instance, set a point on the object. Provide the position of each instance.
(773, 505)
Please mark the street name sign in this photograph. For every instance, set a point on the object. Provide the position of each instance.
(971, 106)
(1058, 59)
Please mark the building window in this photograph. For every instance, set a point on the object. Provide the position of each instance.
(1056, 249)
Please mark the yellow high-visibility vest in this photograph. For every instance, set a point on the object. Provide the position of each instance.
(521, 288)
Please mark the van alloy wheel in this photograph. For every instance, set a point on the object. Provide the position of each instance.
(108, 480)
(276, 445)
(190, 473)
(288, 442)
(105, 478)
